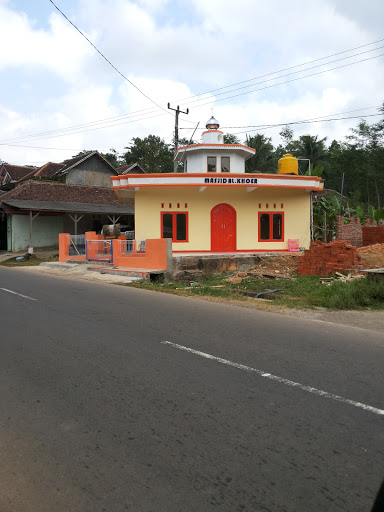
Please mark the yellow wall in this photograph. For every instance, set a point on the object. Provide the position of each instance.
(296, 214)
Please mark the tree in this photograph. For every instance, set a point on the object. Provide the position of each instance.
(83, 153)
(264, 159)
(311, 148)
(230, 138)
(369, 141)
(287, 135)
(152, 153)
(113, 158)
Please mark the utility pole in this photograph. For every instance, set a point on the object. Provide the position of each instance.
(176, 139)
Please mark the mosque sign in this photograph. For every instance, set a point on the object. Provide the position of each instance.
(232, 181)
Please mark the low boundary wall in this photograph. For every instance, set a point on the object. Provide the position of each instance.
(157, 254)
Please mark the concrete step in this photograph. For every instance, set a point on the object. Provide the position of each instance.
(135, 272)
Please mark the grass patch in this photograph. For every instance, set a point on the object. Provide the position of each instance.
(32, 262)
(299, 293)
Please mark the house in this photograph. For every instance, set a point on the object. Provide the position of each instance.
(36, 212)
(215, 206)
(73, 196)
(131, 169)
(12, 174)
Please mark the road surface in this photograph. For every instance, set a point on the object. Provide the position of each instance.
(118, 399)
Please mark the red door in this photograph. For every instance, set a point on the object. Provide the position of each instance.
(223, 228)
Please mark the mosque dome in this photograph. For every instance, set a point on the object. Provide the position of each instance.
(212, 124)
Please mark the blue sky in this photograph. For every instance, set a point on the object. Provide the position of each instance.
(51, 79)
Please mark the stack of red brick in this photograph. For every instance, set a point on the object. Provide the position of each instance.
(325, 259)
(373, 235)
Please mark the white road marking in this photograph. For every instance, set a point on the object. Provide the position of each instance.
(281, 380)
(19, 294)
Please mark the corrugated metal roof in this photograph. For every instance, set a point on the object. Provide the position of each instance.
(62, 206)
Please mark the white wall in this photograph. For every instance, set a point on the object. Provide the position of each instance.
(45, 231)
(197, 160)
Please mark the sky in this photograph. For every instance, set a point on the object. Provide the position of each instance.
(252, 64)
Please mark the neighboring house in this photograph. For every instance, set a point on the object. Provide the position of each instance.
(36, 212)
(12, 174)
(131, 169)
(73, 196)
(91, 170)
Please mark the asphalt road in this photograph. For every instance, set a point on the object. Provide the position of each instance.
(97, 413)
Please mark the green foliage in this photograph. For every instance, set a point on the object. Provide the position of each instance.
(113, 158)
(325, 211)
(229, 138)
(311, 148)
(265, 159)
(152, 153)
(317, 171)
(301, 292)
(376, 215)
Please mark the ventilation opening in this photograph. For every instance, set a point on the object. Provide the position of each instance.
(156, 278)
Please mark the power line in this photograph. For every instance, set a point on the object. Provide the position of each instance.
(289, 81)
(296, 72)
(107, 60)
(39, 147)
(286, 69)
(295, 122)
(143, 111)
(258, 127)
(264, 127)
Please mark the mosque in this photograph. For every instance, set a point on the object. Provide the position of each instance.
(214, 206)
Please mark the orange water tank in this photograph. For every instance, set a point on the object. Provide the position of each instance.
(288, 164)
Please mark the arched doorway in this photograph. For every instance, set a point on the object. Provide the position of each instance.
(223, 228)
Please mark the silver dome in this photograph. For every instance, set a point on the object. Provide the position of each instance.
(212, 121)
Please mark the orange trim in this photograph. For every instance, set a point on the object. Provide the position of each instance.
(230, 185)
(237, 251)
(211, 131)
(174, 226)
(215, 145)
(230, 175)
(271, 214)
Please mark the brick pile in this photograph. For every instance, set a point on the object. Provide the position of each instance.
(323, 259)
(373, 235)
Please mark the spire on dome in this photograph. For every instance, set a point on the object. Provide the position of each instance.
(212, 124)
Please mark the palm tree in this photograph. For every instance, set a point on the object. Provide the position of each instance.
(264, 159)
(312, 149)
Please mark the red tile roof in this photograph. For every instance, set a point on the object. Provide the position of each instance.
(16, 172)
(130, 168)
(48, 170)
(54, 191)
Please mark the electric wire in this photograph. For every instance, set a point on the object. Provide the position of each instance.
(265, 127)
(137, 113)
(289, 81)
(299, 71)
(149, 110)
(108, 61)
(296, 122)
(287, 69)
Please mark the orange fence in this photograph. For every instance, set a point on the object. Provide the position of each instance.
(154, 258)
(153, 254)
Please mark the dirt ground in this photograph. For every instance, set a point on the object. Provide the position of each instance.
(373, 255)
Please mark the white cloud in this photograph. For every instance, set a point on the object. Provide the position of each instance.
(217, 44)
